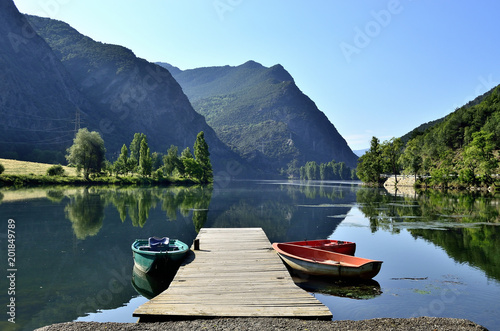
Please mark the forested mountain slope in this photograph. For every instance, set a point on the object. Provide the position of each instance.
(261, 114)
(456, 130)
(423, 127)
(462, 149)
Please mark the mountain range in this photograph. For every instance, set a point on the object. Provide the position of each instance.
(55, 80)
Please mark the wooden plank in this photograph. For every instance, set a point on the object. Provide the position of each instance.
(236, 273)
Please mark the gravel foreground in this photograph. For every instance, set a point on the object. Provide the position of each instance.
(229, 324)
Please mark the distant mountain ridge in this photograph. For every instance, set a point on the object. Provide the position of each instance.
(360, 152)
(261, 114)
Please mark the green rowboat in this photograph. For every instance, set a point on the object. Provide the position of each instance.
(157, 254)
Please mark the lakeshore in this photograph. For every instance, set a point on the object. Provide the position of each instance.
(415, 324)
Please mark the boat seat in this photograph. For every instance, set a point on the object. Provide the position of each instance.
(158, 244)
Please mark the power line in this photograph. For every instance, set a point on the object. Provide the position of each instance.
(52, 130)
(35, 117)
(77, 120)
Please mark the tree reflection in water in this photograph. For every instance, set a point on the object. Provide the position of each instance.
(86, 212)
(86, 207)
(465, 225)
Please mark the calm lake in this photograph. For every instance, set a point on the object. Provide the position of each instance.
(73, 260)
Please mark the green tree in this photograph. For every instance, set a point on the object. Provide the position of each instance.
(157, 160)
(443, 173)
(479, 157)
(391, 151)
(323, 171)
(343, 171)
(192, 168)
(302, 172)
(202, 156)
(108, 168)
(2, 168)
(122, 165)
(467, 176)
(411, 158)
(292, 170)
(135, 146)
(370, 164)
(132, 164)
(87, 152)
(492, 125)
(312, 170)
(186, 154)
(145, 160)
(334, 166)
(171, 161)
(441, 176)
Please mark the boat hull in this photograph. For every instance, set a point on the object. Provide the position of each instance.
(148, 261)
(318, 262)
(337, 246)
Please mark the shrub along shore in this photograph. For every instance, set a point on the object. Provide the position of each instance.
(43, 180)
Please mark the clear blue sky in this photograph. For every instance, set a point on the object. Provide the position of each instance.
(375, 68)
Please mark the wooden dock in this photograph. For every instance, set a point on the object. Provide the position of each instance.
(235, 273)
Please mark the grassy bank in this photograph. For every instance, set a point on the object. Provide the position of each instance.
(29, 174)
(15, 167)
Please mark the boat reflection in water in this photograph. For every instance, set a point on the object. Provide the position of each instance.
(361, 289)
(150, 284)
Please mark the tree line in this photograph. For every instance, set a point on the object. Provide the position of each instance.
(88, 154)
(476, 164)
(326, 171)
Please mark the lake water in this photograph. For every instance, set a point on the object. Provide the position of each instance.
(73, 260)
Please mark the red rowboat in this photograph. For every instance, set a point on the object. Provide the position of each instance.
(337, 246)
(319, 262)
